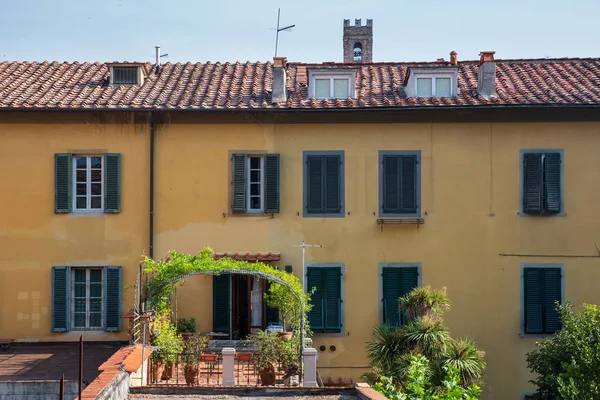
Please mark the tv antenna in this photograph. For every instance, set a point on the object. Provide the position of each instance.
(285, 28)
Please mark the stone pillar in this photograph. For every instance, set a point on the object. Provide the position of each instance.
(309, 357)
(228, 366)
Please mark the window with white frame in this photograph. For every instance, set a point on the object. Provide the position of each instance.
(87, 298)
(432, 82)
(255, 189)
(88, 183)
(436, 86)
(332, 86)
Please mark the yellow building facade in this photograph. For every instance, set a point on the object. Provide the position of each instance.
(473, 239)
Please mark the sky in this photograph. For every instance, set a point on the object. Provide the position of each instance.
(244, 30)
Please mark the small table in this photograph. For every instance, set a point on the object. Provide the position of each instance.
(5, 343)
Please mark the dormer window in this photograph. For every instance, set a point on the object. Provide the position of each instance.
(127, 74)
(331, 85)
(433, 83)
(438, 86)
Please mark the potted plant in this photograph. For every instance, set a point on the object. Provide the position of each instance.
(170, 343)
(289, 354)
(267, 352)
(186, 327)
(281, 298)
(192, 356)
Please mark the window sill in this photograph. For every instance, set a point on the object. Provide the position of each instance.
(315, 215)
(401, 220)
(536, 335)
(542, 214)
(248, 214)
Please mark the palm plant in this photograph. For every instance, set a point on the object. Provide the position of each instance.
(391, 349)
(424, 301)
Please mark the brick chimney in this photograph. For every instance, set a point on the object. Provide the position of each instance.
(486, 75)
(453, 58)
(279, 92)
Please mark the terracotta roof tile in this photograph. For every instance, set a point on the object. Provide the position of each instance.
(262, 257)
(53, 85)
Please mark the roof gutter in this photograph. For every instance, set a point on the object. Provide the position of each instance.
(305, 110)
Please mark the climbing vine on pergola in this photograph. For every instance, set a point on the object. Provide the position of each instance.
(164, 274)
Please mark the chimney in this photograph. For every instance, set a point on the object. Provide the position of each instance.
(486, 75)
(279, 91)
(157, 58)
(453, 58)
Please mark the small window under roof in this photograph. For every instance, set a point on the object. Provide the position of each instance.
(332, 84)
(125, 75)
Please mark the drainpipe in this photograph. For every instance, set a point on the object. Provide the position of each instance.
(151, 238)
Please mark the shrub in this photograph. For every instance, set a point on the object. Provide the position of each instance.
(567, 364)
(419, 387)
(186, 325)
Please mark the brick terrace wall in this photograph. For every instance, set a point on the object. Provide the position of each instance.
(114, 381)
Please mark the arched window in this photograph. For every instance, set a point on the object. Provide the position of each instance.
(357, 52)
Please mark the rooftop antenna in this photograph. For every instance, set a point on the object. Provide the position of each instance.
(280, 30)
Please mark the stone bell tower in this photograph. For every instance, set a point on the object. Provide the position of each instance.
(358, 42)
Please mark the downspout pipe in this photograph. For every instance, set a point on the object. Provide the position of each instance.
(151, 233)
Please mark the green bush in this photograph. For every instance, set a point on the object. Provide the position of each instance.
(186, 325)
(567, 364)
(165, 336)
(419, 387)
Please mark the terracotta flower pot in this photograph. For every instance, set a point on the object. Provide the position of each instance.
(242, 356)
(285, 335)
(186, 336)
(168, 371)
(191, 374)
(267, 376)
(206, 357)
(157, 370)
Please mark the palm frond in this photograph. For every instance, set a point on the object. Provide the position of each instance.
(426, 335)
(467, 358)
(425, 301)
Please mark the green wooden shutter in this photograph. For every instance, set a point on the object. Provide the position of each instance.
(62, 183)
(333, 298)
(272, 183)
(315, 186)
(271, 313)
(533, 305)
(409, 281)
(112, 183)
(222, 303)
(113, 290)
(391, 184)
(332, 184)
(60, 299)
(391, 278)
(532, 182)
(552, 294)
(408, 203)
(315, 280)
(553, 186)
(238, 182)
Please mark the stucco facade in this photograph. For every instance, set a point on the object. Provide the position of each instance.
(473, 240)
